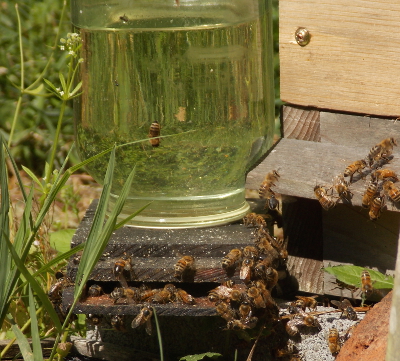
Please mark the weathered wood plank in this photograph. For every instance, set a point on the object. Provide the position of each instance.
(351, 60)
(363, 131)
(300, 123)
(47, 344)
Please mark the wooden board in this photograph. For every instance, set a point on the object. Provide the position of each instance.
(351, 63)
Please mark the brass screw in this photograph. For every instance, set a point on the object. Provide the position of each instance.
(302, 36)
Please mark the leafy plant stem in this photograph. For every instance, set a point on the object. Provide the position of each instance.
(19, 102)
(55, 142)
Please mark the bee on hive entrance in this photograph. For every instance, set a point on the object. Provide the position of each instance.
(185, 268)
(355, 167)
(155, 131)
(323, 198)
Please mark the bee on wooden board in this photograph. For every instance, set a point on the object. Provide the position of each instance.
(144, 318)
(146, 294)
(230, 260)
(303, 302)
(254, 219)
(346, 308)
(246, 270)
(381, 150)
(333, 341)
(392, 191)
(132, 295)
(121, 265)
(355, 167)
(55, 292)
(220, 293)
(183, 297)
(342, 188)
(384, 174)
(155, 131)
(164, 295)
(366, 283)
(321, 194)
(95, 291)
(226, 311)
(376, 207)
(369, 194)
(184, 266)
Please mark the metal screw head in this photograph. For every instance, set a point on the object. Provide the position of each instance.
(302, 36)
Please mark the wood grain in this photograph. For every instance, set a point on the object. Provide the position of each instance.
(300, 123)
(351, 61)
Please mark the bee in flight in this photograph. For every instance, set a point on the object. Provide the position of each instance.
(154, 134)
(144, 318)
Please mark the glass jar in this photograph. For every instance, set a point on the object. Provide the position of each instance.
(193, 79)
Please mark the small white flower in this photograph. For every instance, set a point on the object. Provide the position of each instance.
(58, 89)
(63, 41)
(61, 92)
(81, 60)
(71, 52)
(62, 47)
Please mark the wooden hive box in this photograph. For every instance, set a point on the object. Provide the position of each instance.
(343, 97)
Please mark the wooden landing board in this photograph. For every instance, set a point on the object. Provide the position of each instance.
(351, 63)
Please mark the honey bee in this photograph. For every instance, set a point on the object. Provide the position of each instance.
(265, 190)
(226, 311)
(260, 297)
(117, 322)
(95, 291)
(272, 203)
(250, 252)
(383, 174)
(121, 265)
(124, 18)
(268, 274)
(246, 269)
(144, 318)
(346, 308)
(381, 150)
(289, 350)
(392, 191)
(333, 341)
(376, 207)
(146, 294)
(220, 293)
(155, 130)
(323, 198)
(369, 194)
(355, 167)
(292, 325)
(164, 295)
(280, 244)
(342, 188)
(55, 292)
(272, 176)
(184, 297)
(131, 295)
(231, 258)
(184, 267)
(304, 302)
(254, 219)
(366, 283)
(93, 319)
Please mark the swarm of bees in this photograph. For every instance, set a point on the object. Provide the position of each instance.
(381, 186)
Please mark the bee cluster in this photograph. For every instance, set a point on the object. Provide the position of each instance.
(381, 184)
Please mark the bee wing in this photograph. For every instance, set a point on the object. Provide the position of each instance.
(346, 303)
(338, 304)
(148, 327)
(138, 320)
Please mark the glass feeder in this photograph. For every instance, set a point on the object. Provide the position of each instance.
(193, 80)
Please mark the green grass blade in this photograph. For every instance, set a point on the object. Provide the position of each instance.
(127, 219)
(22, 341)
(33, 177)
(5, 261)
(36, 287)
(37, 347)
(158, 335)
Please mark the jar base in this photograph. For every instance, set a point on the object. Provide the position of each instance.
(185, 212)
